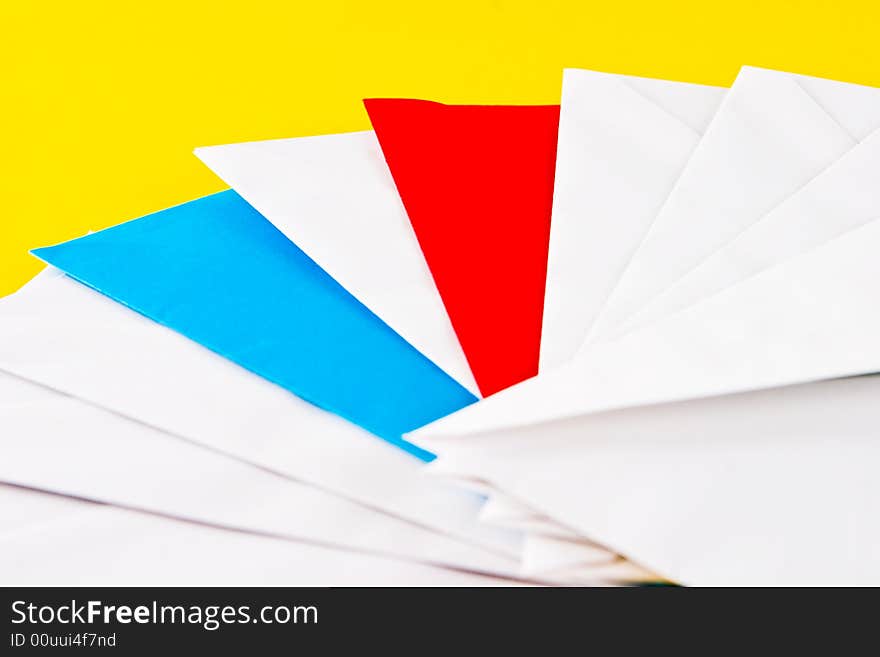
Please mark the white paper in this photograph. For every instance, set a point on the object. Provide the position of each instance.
(66, 336)
(773, 132)
(75, 543)
(575, 559)
(22, 509)
(543, 554)
(844, 196)
(776, 487)
(551, 551)
(619, 572)
(499, 512)
(623, 142)
(334, 197)
(810, 318)
(503, 511)
(58, 443)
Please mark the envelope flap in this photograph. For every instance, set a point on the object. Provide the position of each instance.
(334, 197)
(843, 197)
(768, 139)
(692, 104)
(621, 147)
(66, 336)
(855, 107)
(546, 554)
(477, 184)
(217, 272)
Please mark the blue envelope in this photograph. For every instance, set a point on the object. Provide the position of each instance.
(216, 271)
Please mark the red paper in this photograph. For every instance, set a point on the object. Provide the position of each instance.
(477, 184)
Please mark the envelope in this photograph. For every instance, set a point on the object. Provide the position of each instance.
(68, 337)
(217, 272)
(578, 561)
(503, 511)
(810, 318)
(543, 553)
(477, 185)
(24, 508)
(776, 487)
(843, 197)
(550, 551)
(54, 442)
(623, 142)
(334, 197)
(77, 543)
(772, 134)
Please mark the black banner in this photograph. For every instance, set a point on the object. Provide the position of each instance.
(150, 620)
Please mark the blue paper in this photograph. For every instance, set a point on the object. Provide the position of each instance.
(216, 271)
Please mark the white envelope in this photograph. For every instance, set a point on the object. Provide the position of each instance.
(66, 542)
(23, 508)
(551, 551)
(623, 142)
(503, 511)
(334, 197)
(776, 487)
(620, 572)
(573, 562)
(844, 196)
(543, 554)
(773, 132)
(810, 318)
(574, 559)
(58, 443)
(66, 336)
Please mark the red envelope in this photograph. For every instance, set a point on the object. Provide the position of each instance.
(477, 184)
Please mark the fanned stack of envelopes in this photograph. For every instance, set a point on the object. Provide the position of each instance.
(627, 335)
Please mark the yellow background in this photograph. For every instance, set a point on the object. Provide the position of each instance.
(103, 102)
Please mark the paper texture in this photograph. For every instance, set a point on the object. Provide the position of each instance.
(773, 132)
(334, 197)
(775, 487)
(623, 142)
(55, 442)
(843, 197)
(22, 509)
(81, 544)
(502, 511)
(66, 336)
(217, 272)
(542, 554)
(477, 184)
